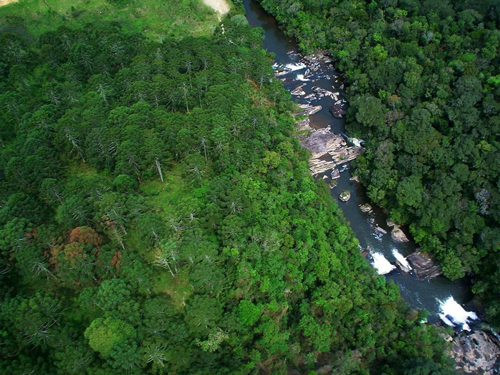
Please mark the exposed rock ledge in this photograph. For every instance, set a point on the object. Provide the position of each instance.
(425, 267)
(398, 235)
(303, 126)
(475, 353)
(307, 110)
(328, 150)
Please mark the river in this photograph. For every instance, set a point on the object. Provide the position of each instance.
(429, 295)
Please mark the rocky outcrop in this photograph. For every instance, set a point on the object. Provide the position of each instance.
(298, 91)
(398, 235)
(401, 261)
(379, 230)
(307, 110)
(328, 150)
(322, 141)
(337, 109)
(424, 266)
(303, 126)
(312, 65)
(476, 353)
(321, 93)
(345, 196)
(317, 61)
(335, 173)
(366, 208)
(403, 266)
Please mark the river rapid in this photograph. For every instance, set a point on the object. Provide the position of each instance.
(442, 298)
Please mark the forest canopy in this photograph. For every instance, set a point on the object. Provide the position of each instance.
(157, 216)
(424, 92)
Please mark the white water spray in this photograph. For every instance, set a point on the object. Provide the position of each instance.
(401, 260)
(382, 265)
(453, 314)
(293, 67)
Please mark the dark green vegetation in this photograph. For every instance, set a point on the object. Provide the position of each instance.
(157, 216)
(424, 89)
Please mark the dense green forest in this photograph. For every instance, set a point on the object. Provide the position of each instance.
(424, 90)
(157, 216)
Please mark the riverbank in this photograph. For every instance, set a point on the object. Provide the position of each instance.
(432, 295)
(474, 351)
(424, 166)
(315, 89)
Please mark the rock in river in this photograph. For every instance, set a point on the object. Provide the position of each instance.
(345, 196)
(401, 261)
(335, 173)
(337, 109)
(476, 353)
(365, 207)
(398, 235)
(380, 231)
(307, 110)
(425, 267)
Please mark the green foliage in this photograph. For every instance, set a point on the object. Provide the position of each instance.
(104, 335)
(152, 221)
(249, 313)
(422, 82)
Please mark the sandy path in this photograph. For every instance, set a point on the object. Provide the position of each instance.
(5, 2)
(220, 6)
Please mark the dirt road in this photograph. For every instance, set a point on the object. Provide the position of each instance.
(5, 2)
(220, 6)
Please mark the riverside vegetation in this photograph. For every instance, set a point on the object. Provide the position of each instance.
(157, 216)
(424, 88)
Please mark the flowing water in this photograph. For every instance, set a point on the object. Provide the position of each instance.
(439, 296)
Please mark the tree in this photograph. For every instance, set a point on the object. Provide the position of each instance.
(107, 334)
(370, 111)
(113, 299)
(410, 191)
(203, 314)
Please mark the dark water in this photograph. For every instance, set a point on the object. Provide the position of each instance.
(420, 294)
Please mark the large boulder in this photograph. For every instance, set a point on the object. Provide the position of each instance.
(322, 141)
(345, 196)
(476, 353)
(337, 109)
(367, 208)
(424, 266)
(398, 235)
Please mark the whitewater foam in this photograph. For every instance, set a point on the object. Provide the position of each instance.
(293, 67)
(401, 259)
(382, 265)
(452, 312)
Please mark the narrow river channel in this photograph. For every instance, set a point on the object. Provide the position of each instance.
(428, 295)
